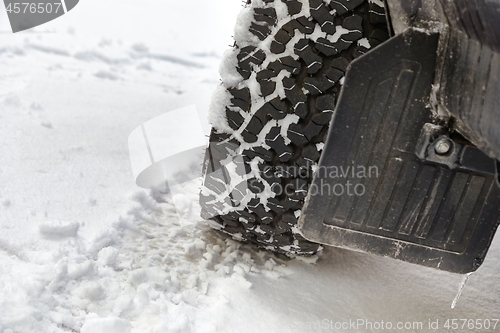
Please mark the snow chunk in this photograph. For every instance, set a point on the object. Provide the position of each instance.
(46, 124)
(59, 228)
(364, 42)
(379, 3)
(314, 167)
(106, 325)
(227, 68)
(217, 110)
(339, 31)
(92, 291)
(285, 123)
(107, 256)
(311, 260)
(103, 74)
(242, 33)
(140, 47)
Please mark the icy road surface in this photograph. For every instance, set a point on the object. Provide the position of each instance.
(82, 249)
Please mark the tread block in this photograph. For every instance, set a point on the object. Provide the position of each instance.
(259, 30)
(267, 15)
(328, 27)
(277, 143)
(260, 211)
(286, 63)
(283, 36)
(289, 83)
(250, 54)
(268, 229)
(289, 219)
(239, 192)
(378, 37)
(229, 222)
(277, 48)
(243, 94)
(359, 52)
(247, 57)
(244, 74)
(321, 14)
(255, 125)
(343, 6)
(377, 14)
(295, 95)
(314, 66)
(352, 36)
(275, 108)
(216, 182)
(300, 109)
(256, 186)
(354, 22)
(342, 45)
(310, 153)
(234, 119)
(303, 166)
(340, 63)
(325, 103)
(283, 239)
(322, 118)
(312, 130)
(334, 74)
(219, 149)
(250, 153)
(300, 187)
(242, 167)
(249, 217)
(315, 3)
(291, 64)
(275, 205)
(267, 87)
(248, 137)
(241, 98)
(326, 47)
(304, 25)
(265, 74)
(306, 53)
(317, 86)
(264, 153)
(230, 229)
(295, 135)
(276, 185)
(294, 7)
(290, 203)
(253, 203)
(301, 46)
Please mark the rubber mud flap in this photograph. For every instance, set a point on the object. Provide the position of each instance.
(390, 182)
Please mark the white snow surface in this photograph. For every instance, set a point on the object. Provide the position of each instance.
(82, 249)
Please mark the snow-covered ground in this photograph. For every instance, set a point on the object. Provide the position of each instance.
(83, 249)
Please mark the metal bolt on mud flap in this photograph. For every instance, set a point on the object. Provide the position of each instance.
(443, 146)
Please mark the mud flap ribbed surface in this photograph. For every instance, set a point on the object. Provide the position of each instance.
(371, 191)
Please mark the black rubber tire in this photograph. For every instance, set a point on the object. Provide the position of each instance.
(290, 68)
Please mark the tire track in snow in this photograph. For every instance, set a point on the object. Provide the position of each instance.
(148, 270)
